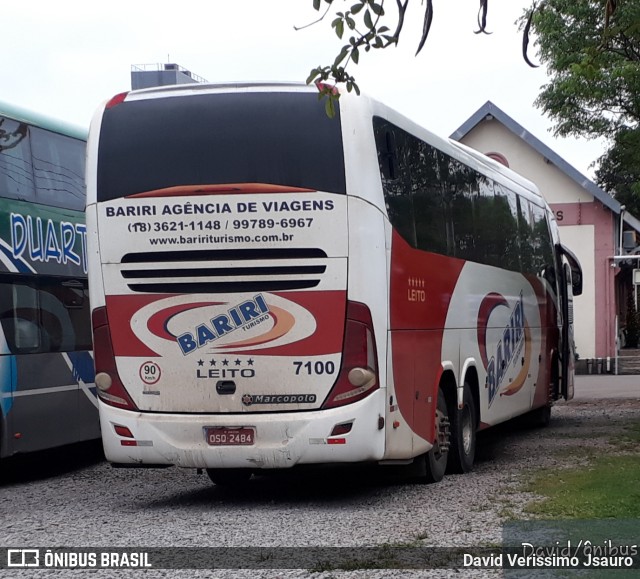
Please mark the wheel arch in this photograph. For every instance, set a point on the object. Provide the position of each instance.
(471, 378)
(449, 387)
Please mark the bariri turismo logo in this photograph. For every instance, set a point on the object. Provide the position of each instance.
(245, 315)
(506, 365)
(196, 324)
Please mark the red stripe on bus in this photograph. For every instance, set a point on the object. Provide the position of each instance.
(220, 189)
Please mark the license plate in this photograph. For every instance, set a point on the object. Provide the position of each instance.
(229, 435)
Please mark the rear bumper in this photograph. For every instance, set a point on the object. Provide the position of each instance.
(282, 440)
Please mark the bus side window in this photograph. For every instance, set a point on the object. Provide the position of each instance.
(388, 155)
(396, 180)
(65, 311)
(58, 168)
(16, 172)
(26, 332)
(50, 318)
(500, 229)
(541, 257)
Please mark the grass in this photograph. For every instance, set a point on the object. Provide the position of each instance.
(630, 439)
(605, 488)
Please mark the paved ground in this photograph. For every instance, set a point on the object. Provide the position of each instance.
(592, 387)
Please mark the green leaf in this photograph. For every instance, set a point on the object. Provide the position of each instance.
(357, 7)
(368, 22)
(312, 75)
(355, 55)
(378, 10)
(316, 4)
(342, 55)
(329, 106)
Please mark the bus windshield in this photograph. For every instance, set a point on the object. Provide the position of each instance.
(284, 139)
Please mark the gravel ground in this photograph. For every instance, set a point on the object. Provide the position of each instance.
(89, 504)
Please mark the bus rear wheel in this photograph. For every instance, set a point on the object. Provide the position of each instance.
(463, 434)
(229, 476)
(436, 458)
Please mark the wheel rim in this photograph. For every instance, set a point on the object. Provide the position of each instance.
(467, 430)
(442, 438)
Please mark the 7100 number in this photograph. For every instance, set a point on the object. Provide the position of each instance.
(317, 368)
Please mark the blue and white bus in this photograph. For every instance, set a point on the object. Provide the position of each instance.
(47, 394)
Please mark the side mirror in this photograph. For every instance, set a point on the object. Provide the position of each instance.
(576, 269)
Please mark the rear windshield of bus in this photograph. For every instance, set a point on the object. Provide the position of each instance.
(212, 139)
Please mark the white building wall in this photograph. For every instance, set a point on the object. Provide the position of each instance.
(581, 239)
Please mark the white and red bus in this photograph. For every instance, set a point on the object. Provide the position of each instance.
(272, 287)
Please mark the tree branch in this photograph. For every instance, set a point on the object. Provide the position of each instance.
(298, 28)
(482, 17)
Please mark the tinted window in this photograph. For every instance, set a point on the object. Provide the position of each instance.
(58, 169)
(45, 315)
(542, 261)
(439, 204)
(276, 138)
(41, 166)
(498, 229)
(396, 159)
(16, 175)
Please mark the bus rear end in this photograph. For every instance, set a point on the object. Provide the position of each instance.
(224, 335)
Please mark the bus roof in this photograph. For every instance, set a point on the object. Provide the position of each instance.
(42, 121)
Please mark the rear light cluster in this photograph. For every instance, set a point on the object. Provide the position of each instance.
(359, 370)
(108, 383)
(116, 100)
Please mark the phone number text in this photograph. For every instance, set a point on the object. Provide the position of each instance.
(220, 225)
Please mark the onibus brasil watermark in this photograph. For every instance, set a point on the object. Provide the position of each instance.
(82, 559)
(525, 555)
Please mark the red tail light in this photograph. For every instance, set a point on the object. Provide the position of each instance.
(108, 383)
(359, 370)
(116, 100)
